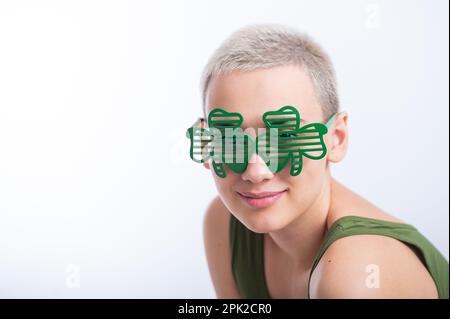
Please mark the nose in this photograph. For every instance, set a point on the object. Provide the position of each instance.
(257, 170)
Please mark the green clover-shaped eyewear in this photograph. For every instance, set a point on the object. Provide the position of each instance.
(224, 141)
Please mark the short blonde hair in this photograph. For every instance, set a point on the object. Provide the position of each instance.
(264, 46)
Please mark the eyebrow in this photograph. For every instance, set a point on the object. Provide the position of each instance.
(244, 127)
(282, 121)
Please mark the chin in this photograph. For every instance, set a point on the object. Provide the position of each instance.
(263, 221)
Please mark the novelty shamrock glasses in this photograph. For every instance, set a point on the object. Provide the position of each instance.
(224, 142)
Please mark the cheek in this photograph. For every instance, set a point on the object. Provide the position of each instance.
(226, 190)
(311, 170)
(314, 168)
(225, 185)
(307, 185)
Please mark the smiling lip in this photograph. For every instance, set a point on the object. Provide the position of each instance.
(261, 200)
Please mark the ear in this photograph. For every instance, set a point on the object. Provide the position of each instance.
(338, 143)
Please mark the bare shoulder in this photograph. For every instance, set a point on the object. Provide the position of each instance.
(371, 266)
(216, 241)
(368, 266)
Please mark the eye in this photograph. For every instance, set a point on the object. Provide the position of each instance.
(287, 134)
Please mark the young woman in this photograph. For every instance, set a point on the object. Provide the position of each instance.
(273, 234)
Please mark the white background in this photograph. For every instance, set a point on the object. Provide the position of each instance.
(93, 204)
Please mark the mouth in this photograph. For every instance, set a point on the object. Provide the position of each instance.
(261, 200)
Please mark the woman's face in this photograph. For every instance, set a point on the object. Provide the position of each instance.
(262, 200)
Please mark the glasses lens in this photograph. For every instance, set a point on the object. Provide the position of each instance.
(232, 145)
(278, 146)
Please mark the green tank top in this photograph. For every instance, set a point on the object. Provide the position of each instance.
(247, 251)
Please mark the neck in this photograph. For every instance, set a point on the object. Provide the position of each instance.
(301, 239)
